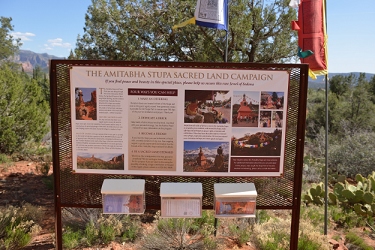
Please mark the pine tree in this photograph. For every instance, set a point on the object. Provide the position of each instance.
(259, 31)
(8, 45)
(24, 112)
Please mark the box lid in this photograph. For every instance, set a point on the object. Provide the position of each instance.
(230, 190)
(123, 186)
(168, 189)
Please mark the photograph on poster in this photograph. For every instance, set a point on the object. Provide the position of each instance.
(277, 119)
(85, 103)
(234, 207)
(256, 142)
(206, 156)
(105, 161)
(207, 106)
(245, 108)
(122, 204)
(272, 100)
(265, 119)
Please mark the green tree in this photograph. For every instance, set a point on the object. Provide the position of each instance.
(357, 107)
(23, 111)
(8, 45)
(372, 88)
(43, 82)
(259, 31)
(350, 106)
(340, 84)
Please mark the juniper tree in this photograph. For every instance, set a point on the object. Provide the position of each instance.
(259, 31)
(23, 110)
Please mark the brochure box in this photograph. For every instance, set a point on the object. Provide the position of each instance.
(181, 200)
(123, 196)
(235, 200)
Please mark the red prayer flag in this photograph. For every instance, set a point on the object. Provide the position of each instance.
(312, 35)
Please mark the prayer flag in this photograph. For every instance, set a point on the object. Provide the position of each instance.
(294, 3)
(209, 13)
(312, 36)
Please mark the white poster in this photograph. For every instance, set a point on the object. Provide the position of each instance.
(178, 121)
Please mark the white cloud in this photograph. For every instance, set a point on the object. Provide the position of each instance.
(58, 42)
(24, 36)
(47, 47)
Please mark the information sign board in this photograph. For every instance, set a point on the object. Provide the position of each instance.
(178, 121)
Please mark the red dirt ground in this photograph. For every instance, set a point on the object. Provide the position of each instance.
(20, 182)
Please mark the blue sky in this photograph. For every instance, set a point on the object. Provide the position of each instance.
(51, 26)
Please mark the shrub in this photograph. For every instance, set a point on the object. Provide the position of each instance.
(71, 238)
(345, 218)
(44, 165)
(93, 227)
(24, 111)
(131, 229)
(3, 158)
(16, 227)
(312, 169)
(240, 231)
(174, 234)
(91, 234)
(314, 214)
(354, 154)
(354, 239)
(275, 235)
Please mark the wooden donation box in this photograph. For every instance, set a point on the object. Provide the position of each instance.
(123, 196)
(181, 200)
(235, 199)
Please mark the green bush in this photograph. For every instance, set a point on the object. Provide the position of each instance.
(240, 232)
(305, 243)
(17, 226)
(274, 234)
(107, 233)
(71, 238)
(354, 154)
(206, 219)
(354, 239)
(3, 158)
(313, 213)
(16, 239)
(91, 234)
(175, 233)
(131, 229)
(95, 228)
(345, 218)
(24, 112)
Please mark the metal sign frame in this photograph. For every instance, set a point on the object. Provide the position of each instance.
(83, 190)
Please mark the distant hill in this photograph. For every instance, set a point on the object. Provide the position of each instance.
(31, 59)
(320, 81)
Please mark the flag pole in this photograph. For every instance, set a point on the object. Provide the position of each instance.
(326, 136)
(225, 60)
(226, 31)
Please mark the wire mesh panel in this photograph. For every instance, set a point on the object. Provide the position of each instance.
(83, 190)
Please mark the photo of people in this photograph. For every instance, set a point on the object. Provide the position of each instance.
(85, 103)
(277, 119)
(256, 142)
(122, 204)
(245, 109)
(206, 156)
(111, 161)
(272, 100)
(265, 119)
(207, 106)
